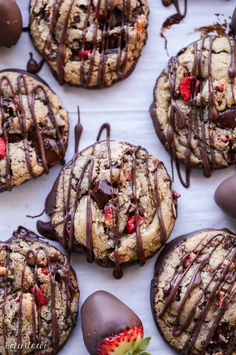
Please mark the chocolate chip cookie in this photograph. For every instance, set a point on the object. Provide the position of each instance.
(193, 293)
(90, 43)
(114, 200)
(33, 128)
(39, 296)
(194, 107)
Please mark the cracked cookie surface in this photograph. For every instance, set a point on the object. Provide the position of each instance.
(90, 43)
(193, 293)
(194, 107)
(113, 200)
(39, 295)
(33, 128)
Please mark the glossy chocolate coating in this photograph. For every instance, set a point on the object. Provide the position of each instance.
(225, 196)
(233, 22)
(10, 23)
(102, 315)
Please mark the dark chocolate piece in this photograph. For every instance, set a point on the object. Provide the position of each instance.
(10, 23)
(102, 315)
(225, 196)
(102, 193)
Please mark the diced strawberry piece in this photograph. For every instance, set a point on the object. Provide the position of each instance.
(224, 139)
(188, 260)
(38, 296)
(220, 299)
(125, 340)
(84, 54)
(131, 227)
(210, 269)
(108, 213)
(128, 176)
(186, 87)
(45, 271)
(2, 148)
(176, 195)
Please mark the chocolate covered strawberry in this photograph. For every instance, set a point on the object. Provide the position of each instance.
(110, 327)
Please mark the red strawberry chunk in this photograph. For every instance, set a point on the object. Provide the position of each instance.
(188, 260)
(38, 296)
(175, 195)
(108, 214)
(84, 54)
(186, 87)
(220, 299)
(129, 336)
(131, 227)
(224, 139)
(2, 148)
(45, 271)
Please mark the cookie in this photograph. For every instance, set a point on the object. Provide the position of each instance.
(114, 200)
(193, 293)
(89, 43)
(39, 296)
(33, 128)
(194, 106)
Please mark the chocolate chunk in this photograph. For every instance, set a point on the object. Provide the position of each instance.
(102, 193)
(102, 315)
(225, 196)
(10, 23)
(227, 118)
(233, 22)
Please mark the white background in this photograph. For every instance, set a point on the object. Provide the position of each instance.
(125, 106)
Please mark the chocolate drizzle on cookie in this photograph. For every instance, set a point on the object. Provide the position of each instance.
(213, 296)
(49, 150)
(195, 123)
(106, 195)
(59, 274)
(101, 40)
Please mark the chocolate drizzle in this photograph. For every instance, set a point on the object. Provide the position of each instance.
(178, 16)
(48, 149)
(195, 124)
(222, 283)
(107, 15)
(53, 266)
(86, 174)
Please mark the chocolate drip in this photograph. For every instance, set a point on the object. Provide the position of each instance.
(68, 239)
(196, 124)
(22, 234)
(49, 150)
(222, 280)
(105, 19)
(178, 16)
(32, 66)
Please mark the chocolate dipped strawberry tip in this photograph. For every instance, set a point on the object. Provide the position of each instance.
(110, 327)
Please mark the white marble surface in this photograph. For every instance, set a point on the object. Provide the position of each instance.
(125, 106)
